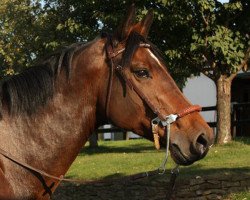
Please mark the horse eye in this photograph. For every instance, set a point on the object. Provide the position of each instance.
(142, 73)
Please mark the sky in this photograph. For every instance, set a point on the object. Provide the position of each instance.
(224, 1)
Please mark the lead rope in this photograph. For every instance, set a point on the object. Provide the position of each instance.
(164, 121)
(162, 169)
(155, 123)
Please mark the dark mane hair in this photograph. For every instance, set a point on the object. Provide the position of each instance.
(35, 86)
(132, 44)
(32, 88)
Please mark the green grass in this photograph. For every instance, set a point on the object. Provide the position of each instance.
(240, 196)
(232, 157)
(114, 159)
(120, 158)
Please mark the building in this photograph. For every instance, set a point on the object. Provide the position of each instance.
(241, 101)
(202, 90)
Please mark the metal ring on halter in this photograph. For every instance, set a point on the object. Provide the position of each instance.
(166, 122)
(161, 119)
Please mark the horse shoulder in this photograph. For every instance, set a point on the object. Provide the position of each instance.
(6, 191)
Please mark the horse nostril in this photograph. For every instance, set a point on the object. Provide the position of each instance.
(201, 144)
(202, 140)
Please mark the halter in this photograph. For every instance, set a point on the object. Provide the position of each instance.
(161, 119)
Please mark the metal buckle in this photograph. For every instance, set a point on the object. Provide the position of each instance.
(168, 120)
(155, 121)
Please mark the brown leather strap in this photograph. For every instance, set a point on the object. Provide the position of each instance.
(132, 86)
(29, 167)
(189, 110)
(45, 174)
(155, 130)
(111, 54)
(109, 51)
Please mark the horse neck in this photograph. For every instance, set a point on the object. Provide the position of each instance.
(51, 138)
(74, 110)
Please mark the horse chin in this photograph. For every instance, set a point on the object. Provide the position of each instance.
(178, 157)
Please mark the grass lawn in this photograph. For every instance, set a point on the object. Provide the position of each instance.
(113, 159)
(240, 196)
(121, 158)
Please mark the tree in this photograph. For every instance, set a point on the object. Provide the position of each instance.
(31, 29)
(209, 37)
(195, 36)
(15, 21)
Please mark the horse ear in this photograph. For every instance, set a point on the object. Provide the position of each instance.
(144, 25)
(124, 29)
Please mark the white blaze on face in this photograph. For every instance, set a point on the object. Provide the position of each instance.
(155, 58)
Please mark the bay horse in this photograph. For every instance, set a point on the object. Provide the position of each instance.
(49, 111)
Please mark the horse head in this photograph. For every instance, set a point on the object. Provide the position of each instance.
(49, 111)
(140, 88)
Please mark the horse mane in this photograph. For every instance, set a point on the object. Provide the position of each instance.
(32, 88)
(133, 43)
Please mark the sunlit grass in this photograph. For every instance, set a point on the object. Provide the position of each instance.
(238, 196)
(116, 158)
(121, 158)
(225, 158)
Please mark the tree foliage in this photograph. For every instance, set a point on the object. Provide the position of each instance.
(206, 35)
(34, 28)
(210, 37)
(194, 35)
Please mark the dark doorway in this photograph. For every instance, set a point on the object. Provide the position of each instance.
(241, 104)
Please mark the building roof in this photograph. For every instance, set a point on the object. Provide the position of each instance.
(243, 75)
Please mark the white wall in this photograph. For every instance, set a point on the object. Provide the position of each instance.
(202, 91)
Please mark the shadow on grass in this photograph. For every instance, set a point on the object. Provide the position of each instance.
(108, 178)
(113, 186)
(196, 170)
(187, 173)
(138, 148)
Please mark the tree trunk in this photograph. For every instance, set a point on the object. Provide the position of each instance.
(223, 110)
(93, 141)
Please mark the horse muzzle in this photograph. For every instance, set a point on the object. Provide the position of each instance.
(194, 150)
(182, 159)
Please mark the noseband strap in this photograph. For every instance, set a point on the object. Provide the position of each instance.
(157, 122)
(169, 119)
